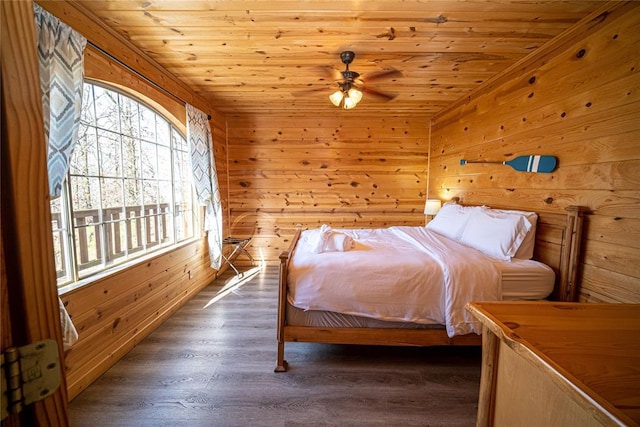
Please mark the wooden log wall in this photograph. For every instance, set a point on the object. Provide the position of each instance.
(576, 98)
(345, 170)
(114, 313)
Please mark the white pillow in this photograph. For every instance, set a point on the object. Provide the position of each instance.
(525, 251)
(496, 234)
(451, 219)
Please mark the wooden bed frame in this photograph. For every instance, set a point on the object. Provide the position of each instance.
(558, 238)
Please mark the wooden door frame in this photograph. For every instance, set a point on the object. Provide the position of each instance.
(29, 291)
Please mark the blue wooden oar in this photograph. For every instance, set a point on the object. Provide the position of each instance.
(539, 164)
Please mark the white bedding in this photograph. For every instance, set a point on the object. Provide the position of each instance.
(521, 280)
(407, 274)
(526, 279)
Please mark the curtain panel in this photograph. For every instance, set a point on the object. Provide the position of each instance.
(61, 67)
(205, 180)
(61, 59)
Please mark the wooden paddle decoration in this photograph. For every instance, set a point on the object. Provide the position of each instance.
(539, 164)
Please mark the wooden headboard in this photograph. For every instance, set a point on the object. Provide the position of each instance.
(558, 241)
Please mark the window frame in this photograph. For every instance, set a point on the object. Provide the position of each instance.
(75, 276)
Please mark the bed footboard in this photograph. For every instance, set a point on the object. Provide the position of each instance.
(285, 257)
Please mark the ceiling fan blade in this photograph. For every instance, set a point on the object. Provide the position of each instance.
(383, 95)
(330, 73)
(310, 91)
(386, 74)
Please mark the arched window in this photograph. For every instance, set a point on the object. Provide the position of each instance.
(128, 191)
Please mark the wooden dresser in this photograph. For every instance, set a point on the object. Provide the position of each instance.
(559, 364)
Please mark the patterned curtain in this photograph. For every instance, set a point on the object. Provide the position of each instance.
(205, 180)
(61, 59)
(61, 66)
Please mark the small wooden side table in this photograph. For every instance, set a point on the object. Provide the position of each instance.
(559, 364)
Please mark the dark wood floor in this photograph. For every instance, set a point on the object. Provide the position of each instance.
(212, 365)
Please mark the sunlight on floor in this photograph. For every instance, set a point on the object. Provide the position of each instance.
(235, 282)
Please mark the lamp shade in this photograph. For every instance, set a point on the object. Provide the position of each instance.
(355, 95)
(432, 206)
(349, 103)
(336, 97)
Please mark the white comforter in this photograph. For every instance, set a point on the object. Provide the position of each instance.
(406, 274)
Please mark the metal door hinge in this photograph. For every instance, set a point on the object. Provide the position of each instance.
(29, 373)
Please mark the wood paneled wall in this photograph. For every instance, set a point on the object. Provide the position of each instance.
(577, 98)
(344, 170)
(114, 313)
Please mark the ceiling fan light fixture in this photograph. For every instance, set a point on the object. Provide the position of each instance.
(351, 98)
(355, 95)
(336, 98)
(349, 103)
(346, 99)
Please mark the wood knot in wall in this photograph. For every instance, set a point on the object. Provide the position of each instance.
(391, 34)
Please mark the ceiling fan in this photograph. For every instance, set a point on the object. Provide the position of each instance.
(351, 85)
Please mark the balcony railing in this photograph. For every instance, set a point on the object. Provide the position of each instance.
(103, 236)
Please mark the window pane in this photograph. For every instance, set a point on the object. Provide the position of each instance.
(164, 163)
(184, 220)
(134, 225)
(106, 102)
(183, 199)
(164, 132)
(86, 193)
(84, 160)
(88, 242)
(59, 230)
(131, 157)
(150, 194)
(129, 117)
(110, 154)
(112, 195)
(165, 193)
(133, 195)
(116, 239)
(179, 143)
(151, 226)
(147, 124)
(88, 108)
(181, 167)
(149, 160)
(164, 210)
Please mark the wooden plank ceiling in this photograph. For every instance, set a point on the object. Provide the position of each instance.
(257, 56)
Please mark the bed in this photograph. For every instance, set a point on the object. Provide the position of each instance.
(375, 292)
